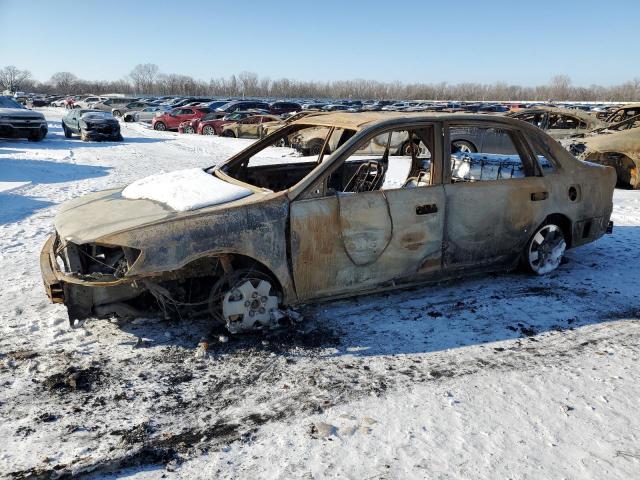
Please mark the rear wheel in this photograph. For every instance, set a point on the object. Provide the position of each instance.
(117, 113)
(160, 126)
(208, 130)
(545, 249)
(628, 175)
(245, 300)
(228, 133)
(187, 129)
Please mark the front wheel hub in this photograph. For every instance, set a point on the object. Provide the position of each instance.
(249, 305)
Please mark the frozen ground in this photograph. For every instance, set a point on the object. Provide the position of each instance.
(504, 376)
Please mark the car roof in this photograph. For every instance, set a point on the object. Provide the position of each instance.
(362, 120)
(589, 119)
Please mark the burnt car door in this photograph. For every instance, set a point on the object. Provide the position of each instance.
(495, 198)
(373, 218)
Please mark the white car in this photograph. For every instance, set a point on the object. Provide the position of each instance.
(89, 102)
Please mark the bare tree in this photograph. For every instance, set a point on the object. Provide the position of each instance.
(64, 81)
(144, 77)
(12, 77)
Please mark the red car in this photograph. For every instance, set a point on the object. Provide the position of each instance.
(191, 126)
(171, 120)
(213, 127)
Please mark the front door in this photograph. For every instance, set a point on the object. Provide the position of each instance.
(378, 220)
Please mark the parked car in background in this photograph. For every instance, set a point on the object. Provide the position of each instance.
(493, 109)
(60, 102)
(18, 122)
(171, 120)
(558, 122)
(616, 145)
(281, 107)
(214, 127)
(89, 102)
(624, 112)
(146, 114)
(314, 105)
(114, 102)
(38, 102)
(191, 126)
(120, 110)
(236, 105)
(91, 125)
(182, 102)
(218, 103)
(249, 127)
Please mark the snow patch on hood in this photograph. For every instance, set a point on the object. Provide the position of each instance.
(185, 190)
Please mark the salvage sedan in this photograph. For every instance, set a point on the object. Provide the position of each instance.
(271, 228)
(616, 145)
(91, 125)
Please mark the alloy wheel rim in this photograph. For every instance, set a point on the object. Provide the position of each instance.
(546, 249)
(249, 305)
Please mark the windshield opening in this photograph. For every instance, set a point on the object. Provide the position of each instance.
(290, 155)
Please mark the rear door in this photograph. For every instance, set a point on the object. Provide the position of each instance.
(495, 198)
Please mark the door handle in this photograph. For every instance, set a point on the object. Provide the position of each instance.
(538, 196)
(426, 209)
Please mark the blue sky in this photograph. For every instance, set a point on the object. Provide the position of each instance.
(411, 41)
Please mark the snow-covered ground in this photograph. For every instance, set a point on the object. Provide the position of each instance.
(501, 376)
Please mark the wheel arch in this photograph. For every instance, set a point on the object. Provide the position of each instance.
(219, 262)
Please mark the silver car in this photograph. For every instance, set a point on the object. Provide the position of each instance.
(111, 103)
(128, 109)
(147, 113)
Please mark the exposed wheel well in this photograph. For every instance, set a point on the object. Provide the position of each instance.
(564, 223)
(213, 266)
(243, 261)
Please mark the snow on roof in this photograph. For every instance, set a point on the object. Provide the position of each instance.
(185, 190)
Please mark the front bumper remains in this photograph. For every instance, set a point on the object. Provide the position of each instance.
(81, 297)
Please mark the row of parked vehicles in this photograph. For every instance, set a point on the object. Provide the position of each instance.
(605, 134)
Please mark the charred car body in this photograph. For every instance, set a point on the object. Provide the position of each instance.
(91, 125)
(559, 122)
(268, 232)
(616, 145)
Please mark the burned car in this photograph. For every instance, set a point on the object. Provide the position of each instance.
(91, 125)
(623, 113)
(249, 127)
(616, 145)
(559, 122)
(271, 228)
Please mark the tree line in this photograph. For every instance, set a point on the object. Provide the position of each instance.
(147, 79)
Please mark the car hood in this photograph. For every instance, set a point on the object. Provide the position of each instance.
(101, 214)
(626, 142)
(20, 112)
(90, 217)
